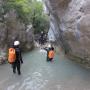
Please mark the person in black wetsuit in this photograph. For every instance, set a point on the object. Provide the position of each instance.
(41, 38)
(18, 61)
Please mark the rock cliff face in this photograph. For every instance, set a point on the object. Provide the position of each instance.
(12, 29)
(71, 19)
(17, 31)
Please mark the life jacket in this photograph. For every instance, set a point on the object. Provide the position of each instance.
(51, 54)
(11, 55)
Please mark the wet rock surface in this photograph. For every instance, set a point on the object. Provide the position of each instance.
(71, 19)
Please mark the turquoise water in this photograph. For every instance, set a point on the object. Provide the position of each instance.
(37, 74)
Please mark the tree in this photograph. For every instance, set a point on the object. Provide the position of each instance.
(28, 12)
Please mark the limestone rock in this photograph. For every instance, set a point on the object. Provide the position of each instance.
(12, 29)
(72, 19)
(17, 31)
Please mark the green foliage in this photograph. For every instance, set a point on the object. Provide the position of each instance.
(28, 11)
(41, 23)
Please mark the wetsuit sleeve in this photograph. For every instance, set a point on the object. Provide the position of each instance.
(21, 57)
(46, 49)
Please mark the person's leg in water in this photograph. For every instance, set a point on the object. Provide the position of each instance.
(14, 67)
(47, 59)
(47, 56)
(18, 68)
(50, 59)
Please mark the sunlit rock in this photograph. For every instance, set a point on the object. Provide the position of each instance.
(72, 19)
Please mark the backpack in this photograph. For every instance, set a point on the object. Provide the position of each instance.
(51, 54)
(11, 55)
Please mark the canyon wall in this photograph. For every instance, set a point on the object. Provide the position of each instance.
(71, 19)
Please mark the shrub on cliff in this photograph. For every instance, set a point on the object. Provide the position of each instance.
(28, 11)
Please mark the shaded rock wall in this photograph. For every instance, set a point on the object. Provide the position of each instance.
(12, 29)
(72, 17)
(17, 31)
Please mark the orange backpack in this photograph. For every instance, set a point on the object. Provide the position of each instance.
(12, 55)
(51, 54)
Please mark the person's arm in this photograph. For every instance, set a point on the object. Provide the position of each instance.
(21, 57)
(46, 49)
